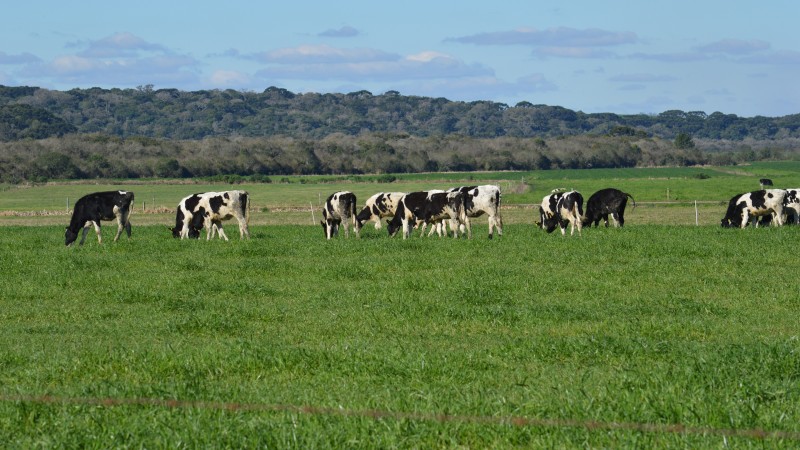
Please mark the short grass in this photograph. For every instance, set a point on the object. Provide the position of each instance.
(379, 342)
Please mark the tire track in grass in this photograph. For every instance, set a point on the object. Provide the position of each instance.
(516, 421)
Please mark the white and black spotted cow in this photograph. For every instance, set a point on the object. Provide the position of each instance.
(208, 210)
(339, 209)
(380, 205)
(750, 206)
(604, 203)
(548, 213)
(427, 207)
(480, 200)
(561, 209)
(791, 206)
(92, 208)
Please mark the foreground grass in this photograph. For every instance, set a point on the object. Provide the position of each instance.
(289, 340)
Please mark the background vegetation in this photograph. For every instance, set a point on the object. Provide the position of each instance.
(143, 133)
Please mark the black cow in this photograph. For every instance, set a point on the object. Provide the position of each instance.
(208, 210)
(92, 208)
(427, 207)
(607, 202)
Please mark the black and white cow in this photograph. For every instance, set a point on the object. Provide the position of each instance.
(339, 209)
(427, 207)
(548, 214)
(561, 209)
(380, 205)
(92, 208)
(208, 210)
(744, 207)
(791, 206)
(480, 200)
(607, 202)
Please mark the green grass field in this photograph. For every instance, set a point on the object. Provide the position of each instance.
(655, 335)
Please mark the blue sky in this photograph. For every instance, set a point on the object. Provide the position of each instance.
(736, 57)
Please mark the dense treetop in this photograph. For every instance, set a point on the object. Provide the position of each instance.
(31, 112)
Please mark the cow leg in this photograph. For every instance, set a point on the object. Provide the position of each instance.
(120, 227)
(778, 219)
(96, 230)
(244, 232)
(221, 232)
(455, 226)
(84, 231)
(498, 223)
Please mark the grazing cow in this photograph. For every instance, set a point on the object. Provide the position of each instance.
(339, 208)
(561, 209)
(791, 206)
(480, 200)
(380, 205)
(92, 208)
(744, 207)
(427, 207)
(208, 210)
(765, 182)
(607, 202)
(548, 216)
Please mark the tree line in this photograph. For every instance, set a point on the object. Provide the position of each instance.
(90, 156)
(31, 112)
(143, 133)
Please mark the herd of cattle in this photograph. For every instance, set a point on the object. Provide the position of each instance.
(435, 208)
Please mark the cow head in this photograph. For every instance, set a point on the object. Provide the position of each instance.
(546, 221)
(70, 237)
(330, 227)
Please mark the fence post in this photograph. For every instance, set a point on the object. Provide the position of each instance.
(313, 219)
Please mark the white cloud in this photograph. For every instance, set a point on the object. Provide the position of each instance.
(22, 58)
(343, 32)
(318, 54)
(552, 37)
(734, 46)
(329, 63)
(230, 78)
(120, 45)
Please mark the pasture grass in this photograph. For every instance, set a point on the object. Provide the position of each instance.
(669, 184)
(288, 340)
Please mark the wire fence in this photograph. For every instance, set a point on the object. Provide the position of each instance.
(516, 421)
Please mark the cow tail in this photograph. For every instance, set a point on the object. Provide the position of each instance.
(352, 208)
(246, 207)
(634, 201)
